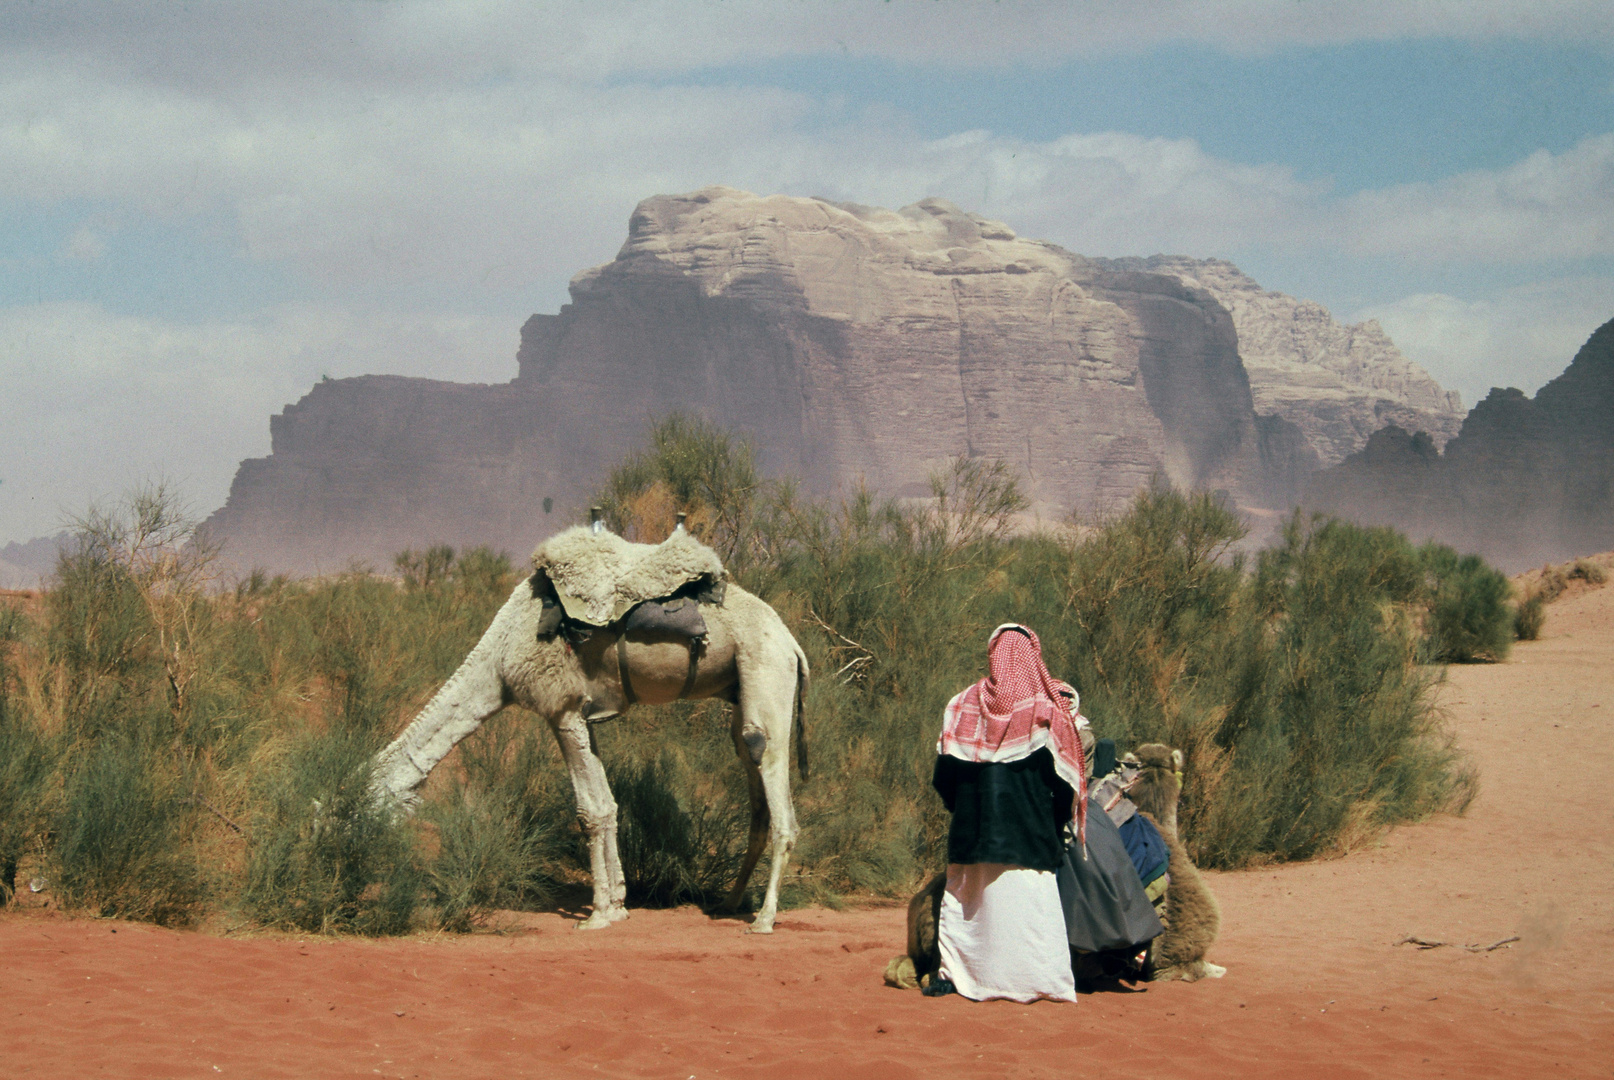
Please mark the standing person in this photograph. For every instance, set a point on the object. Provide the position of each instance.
(1010, 769)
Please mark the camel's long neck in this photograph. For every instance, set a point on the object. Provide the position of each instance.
(472, 694)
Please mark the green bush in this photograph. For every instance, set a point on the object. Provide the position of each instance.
(1530, 616)
(24, 765)
(673, 849)
(1469, 615)
(486, 858)
(325, 857)
(123, 836)
(1334, 736)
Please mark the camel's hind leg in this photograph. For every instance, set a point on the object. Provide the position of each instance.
(597, 808)
(759, 816)
(767, 706)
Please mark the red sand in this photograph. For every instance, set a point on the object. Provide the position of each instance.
(1315, 986)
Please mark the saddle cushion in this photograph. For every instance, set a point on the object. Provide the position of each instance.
(599, 577)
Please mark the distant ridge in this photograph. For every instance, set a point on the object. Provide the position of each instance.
(851, 343)
(1526, 481)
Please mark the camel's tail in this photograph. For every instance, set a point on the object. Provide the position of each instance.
(801, 713)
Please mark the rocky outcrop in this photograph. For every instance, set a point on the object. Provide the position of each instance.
(1338, 384)
(850, 343)
(363, 468)
(1525, 481)
(28, 565)
(854, 341)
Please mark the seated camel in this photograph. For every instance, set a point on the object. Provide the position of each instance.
(1191, 914)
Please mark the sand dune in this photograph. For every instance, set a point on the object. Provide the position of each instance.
(1316, 986)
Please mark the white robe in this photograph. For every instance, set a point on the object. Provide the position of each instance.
(1002, 934)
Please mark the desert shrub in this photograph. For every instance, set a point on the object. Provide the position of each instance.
(1292, 680)
(98, 635)
(692, 466)
(507, 834)
(484, 573)
(122, 835)
(1331, 732)
(24, 763)
(324, 856)
(486, 858)
(422, 569)
(1469, 616)
(674, 848)
(1588, 571)
(1530, 616)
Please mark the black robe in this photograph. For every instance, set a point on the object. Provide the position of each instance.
(1005, 811)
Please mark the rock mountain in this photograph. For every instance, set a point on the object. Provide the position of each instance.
(850, 343)
(1338, 384)
(1526, 481)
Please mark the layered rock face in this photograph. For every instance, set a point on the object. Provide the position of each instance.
(363, 468)
(1524, 482)
(850, 343)
(1338, 384)
(859, 342)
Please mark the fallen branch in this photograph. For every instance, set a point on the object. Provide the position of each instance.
(1425, 943)
(216, 812)
(853, 668)
(830, 629)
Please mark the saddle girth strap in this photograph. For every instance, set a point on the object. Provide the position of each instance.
(689, 679)
(628, 696)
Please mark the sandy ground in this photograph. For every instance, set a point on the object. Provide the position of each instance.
(1316, 986)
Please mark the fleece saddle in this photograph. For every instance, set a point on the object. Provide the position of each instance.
(592, 582)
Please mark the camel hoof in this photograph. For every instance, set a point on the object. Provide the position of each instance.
(1214, 971)
(599, 920)
(760, 927)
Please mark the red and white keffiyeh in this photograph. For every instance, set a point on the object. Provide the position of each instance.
(1014, 712)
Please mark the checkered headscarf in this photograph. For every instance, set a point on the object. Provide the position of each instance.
(1015, 711)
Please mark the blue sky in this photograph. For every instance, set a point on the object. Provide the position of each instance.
(206, 208)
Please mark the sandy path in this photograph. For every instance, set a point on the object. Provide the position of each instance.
(1315, 987)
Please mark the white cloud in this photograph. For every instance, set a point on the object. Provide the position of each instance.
(1520, 337)
(518, 185)
(85, 245)
(96, 403)
(487, 41)
(1548, 206)
(513, 185)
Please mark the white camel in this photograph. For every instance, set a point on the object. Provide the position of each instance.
(749, 658)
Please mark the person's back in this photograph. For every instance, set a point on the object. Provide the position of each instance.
(1009, 769)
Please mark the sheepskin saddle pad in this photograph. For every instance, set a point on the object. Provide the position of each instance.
(602, 580)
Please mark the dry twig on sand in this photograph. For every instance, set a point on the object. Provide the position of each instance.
(1425, 943)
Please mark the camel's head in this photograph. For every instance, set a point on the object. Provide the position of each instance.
(1159, 784)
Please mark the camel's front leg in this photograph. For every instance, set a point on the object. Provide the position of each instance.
(598, 810)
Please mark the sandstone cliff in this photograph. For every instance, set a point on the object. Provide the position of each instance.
(848, 342)
(1525, 481)
(855, 341)
(1338, 384)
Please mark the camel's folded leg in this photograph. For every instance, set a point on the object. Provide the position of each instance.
(598, 810)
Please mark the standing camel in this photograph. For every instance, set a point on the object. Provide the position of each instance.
(749, 658)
